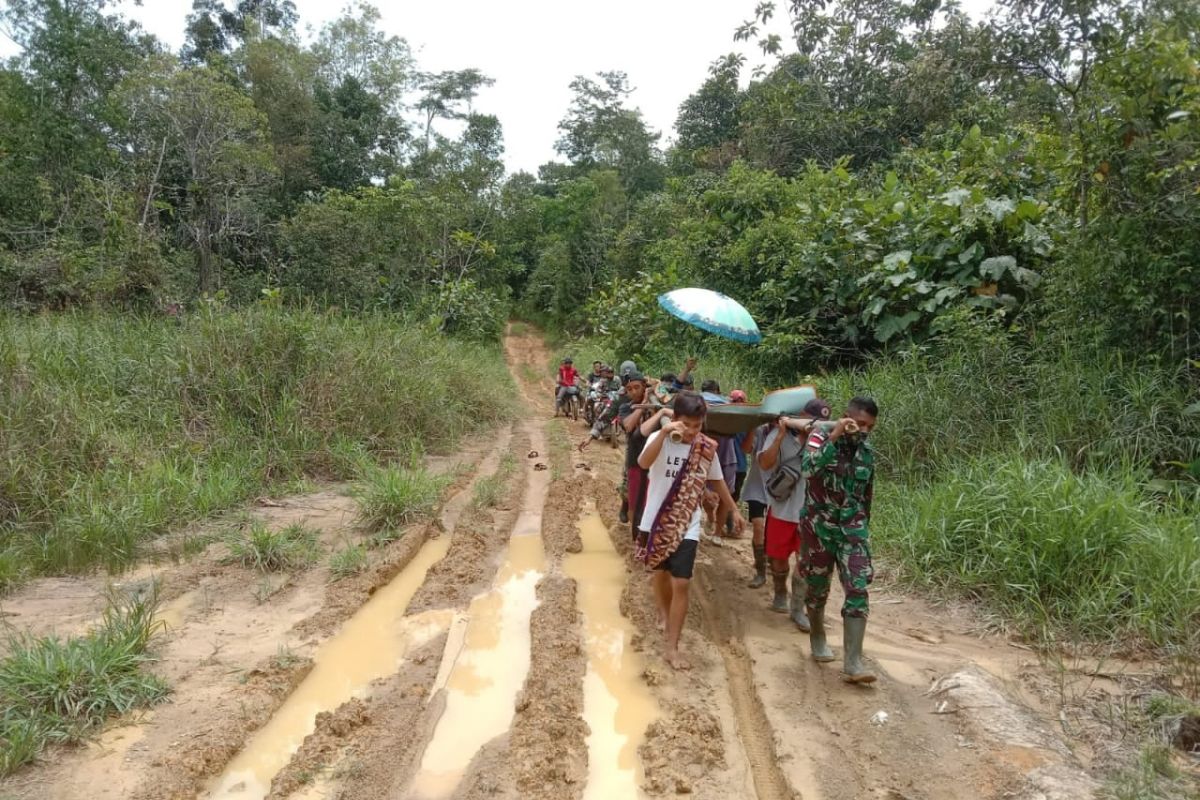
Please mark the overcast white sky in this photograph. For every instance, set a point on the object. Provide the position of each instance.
(533, 48)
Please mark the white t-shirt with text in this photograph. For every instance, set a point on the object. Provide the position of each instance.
(662, 474)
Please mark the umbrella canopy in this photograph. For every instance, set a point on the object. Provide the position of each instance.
(713, 312)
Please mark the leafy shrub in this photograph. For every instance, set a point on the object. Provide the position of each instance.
(464, 309)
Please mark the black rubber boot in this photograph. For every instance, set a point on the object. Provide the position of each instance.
(760, 566)
(821, 651)
(624, 515)
(854, 629)
(797, 605)
(780, 603)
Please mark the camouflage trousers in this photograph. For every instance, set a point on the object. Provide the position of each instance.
(824, 545)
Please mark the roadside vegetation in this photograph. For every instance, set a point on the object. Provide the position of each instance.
(58, 690)
(116, 429)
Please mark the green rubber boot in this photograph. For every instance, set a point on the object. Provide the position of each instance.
(821, 651)
(853, 631)
(780, 603)
(797, 607)
(760, 566)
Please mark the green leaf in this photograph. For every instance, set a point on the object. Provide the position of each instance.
(956, 197)
(999, 207)
(890, 325)
(1192, 410)
(996, 266)
(898, 259)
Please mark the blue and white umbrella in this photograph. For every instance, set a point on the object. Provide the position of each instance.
(713, 312)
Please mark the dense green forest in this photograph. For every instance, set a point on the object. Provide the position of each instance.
(993, 224)
(897, 168)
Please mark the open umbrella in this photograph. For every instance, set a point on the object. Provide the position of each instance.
(713, 312)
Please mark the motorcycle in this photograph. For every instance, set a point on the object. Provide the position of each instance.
(595, 392)
(569, 405)
(604, 401)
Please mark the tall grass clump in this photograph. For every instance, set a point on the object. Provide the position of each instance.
(260, 548)
(115, 428)
(1087, 555)
(60, 690)
(390, 497)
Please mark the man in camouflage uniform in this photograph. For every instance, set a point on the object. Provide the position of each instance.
(841, 470)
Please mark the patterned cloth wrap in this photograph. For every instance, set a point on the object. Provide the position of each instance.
(682, 500)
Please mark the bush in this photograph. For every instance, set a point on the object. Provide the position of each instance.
(115, 429)
(56, 690)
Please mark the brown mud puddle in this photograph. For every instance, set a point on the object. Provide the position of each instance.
(484, 668)
(618, 706)
(370, 645)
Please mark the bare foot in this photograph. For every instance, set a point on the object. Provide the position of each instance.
(677, 661)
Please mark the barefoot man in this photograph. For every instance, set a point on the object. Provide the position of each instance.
(681, 463)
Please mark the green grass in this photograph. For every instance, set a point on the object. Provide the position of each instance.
(61, 690)
(258, 547)
(489, 490)
(1084, 554)
(348, 561)
(391, 497)
(1152, 776)
(115, 429)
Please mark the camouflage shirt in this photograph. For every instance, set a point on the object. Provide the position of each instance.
(841, 477)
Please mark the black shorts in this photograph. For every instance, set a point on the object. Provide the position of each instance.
(681, 563)
(757, 510)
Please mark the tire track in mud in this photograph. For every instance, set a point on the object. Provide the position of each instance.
(753, 728)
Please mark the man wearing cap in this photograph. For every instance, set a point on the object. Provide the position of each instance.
(784, 448)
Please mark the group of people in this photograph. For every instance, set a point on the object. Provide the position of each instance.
(807, 482)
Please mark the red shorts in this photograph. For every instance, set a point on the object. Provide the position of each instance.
(782, 538)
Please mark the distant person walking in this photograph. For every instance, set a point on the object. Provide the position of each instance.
(840, 464)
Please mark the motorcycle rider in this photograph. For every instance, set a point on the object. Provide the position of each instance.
(606, 405)
(568, 376)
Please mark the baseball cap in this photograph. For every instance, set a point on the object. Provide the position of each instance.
(737, 396)
(633, 375)
(817, 409)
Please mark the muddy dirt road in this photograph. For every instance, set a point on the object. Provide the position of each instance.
(508, 650)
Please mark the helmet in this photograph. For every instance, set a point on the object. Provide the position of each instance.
(627, 367)
(568, 360)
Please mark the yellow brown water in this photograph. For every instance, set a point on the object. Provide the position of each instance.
(369, 646)
(485, 669)
(617, 704)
